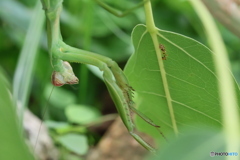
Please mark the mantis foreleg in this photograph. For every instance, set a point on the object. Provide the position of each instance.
(146, 119)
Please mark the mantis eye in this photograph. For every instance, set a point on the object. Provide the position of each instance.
(57, 79)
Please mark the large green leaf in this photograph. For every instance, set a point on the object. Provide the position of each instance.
(12, 144)
(188, 76)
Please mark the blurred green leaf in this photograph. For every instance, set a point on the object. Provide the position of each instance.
(81, 114)
(190, 79)
(179, 13)
(12, 144)
(24, 71)
(16, 18)
(19, 18)
(60, 97)
(236, 70)
(63, 127)
(196, 144)
(56, 125)
(74, 143)
(15, 15)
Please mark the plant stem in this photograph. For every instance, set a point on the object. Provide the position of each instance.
(230, 112)
(153, 32)
(149, 18)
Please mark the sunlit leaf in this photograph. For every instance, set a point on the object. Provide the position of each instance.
(74, 143)
(190, 80)
(81, 114)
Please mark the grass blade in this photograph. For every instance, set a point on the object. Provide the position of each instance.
(24, 71)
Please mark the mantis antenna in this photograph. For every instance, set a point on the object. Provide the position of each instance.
(114, 78)
(44, 111)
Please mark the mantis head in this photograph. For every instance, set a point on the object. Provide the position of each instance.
(65, 77)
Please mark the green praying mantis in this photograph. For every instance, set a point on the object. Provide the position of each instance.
(114, 78)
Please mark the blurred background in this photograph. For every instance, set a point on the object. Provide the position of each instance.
(78, 116)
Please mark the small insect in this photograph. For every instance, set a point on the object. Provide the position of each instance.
(162, 47)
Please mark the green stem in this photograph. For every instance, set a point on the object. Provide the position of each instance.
(153, 32)
(230, 112)
(149, 18)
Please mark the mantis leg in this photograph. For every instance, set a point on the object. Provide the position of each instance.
(117, 12)
(146, 119)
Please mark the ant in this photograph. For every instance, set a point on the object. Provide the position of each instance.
(162, 47)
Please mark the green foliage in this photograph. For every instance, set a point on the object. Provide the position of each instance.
(195, 144)
(88, 114)
(60, 97)
(12, 142)
(191, 81)
(86, 25)
(74, 143)
(23, 74)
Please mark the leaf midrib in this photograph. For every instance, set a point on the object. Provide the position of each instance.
(164, 80)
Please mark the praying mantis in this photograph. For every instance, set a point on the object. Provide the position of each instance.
(117, 83)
